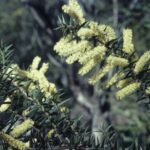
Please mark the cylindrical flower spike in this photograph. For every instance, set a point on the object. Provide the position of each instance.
(103, 32)
(124, 82)
(89, 66)
(128, 46)
(35, 62)
(97, 51)
(107, 33)
(38, 75)
(100, 74)
(86, 33)
(74, 57)
(44, 68)
(22, 128)
(117, 61)
(74, 10)
(128, 90)
(114, 79)
(144, 59)
(19, 145)
(64, 45)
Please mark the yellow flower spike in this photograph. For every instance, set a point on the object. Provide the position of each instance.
(128, 46)
(35, 63)
(117, 61)
(19, 145)
(114, 79)
(97, 51)
(80, 46)
(86, 33)
(144, 59)
(4, 107)
(22, 128)
(67, 49)
(107, 33)
(64, 45)
(74, 10)
(104, 32)
(74, 57)
(94, 27)
(38, 76)
(124, 82)
(89, 65)
(44, 68)
(47, 88)
(50, 133)
(100, 74)
(129, 89)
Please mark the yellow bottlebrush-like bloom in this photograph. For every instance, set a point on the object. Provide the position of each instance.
(114, 79)
(117, 61)
(107, 33)
(44, 68)
(144, 59)
(94, 27)
(22, 128)
(4, 107)
(35, 63)
(64, 45)
(124, 82)
(100, 74)
(77, 51)
(128, 90)
(86, 33)
(104, 32)
(39, 76)
(50, 133)
(13, 142)
(74, 57)
(128, 46)
(80, 46)
(46, 87)
(66, 49)
(89, 65)
(74, 10)
(90, 54)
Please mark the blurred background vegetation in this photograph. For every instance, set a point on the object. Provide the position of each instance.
(29, 25)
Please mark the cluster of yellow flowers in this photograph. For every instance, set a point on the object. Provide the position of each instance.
(91, 49)
(73, 9)
(35, 75)
(38, 80)
(22, 128)
(15, 133)
(17, 144)
(38, 75)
